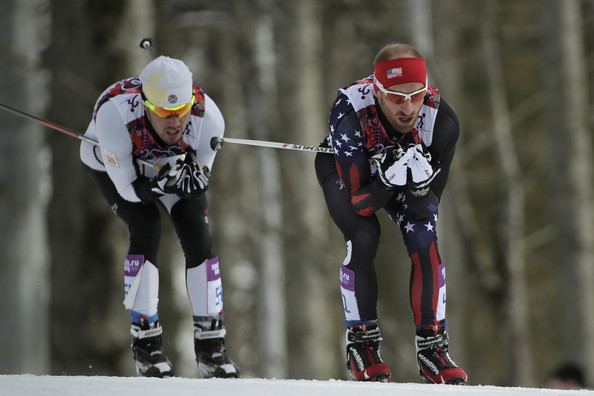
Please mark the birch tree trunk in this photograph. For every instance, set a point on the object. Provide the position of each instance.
(235, 223)
(24, 180)
(313, 273)
(420, 13)
(567, 88)
(232, 218)
(271, 298)
(511, 245)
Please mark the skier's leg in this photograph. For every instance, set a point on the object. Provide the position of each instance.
(205, 288)
(141, 278)
(417, 218)
(357, 277)
(361, 235)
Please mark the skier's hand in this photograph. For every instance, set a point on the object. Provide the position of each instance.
(164, 183)
(190, 179)
(392, 167)
(421, 171)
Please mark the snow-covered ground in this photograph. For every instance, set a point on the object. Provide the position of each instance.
(32, 385)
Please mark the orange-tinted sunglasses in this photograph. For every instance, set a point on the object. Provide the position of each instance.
(166, 112)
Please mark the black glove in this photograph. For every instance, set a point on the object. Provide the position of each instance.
(150, 189)
(421, 208)
(189, 180)
(164, 183)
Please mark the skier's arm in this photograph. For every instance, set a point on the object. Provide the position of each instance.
(116, 151)
(446, 133)
(367, 194)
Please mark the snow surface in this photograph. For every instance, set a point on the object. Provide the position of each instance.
(33, 385)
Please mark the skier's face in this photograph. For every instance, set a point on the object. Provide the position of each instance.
(170, 129)
(402, 116)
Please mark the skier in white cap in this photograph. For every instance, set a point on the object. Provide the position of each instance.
(154, 135)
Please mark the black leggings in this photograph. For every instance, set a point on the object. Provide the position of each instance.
(189, 219)
(417, 220)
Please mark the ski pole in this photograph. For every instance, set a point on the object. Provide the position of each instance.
(62, 129)
(216, 143)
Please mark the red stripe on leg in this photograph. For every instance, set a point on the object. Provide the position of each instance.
(416, 287)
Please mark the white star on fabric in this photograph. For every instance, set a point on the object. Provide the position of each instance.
(352, 148)
(338, 101)
(435, 218)
(409, 227)
(358, 133)
(331, 128)
(339, 116)
(429, 226)
(348, 153)
(401, 197)
(344, 137)
(400, 218)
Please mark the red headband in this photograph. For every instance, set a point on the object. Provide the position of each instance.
(401, 71)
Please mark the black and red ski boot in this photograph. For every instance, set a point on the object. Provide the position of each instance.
(433, 359)
(364, 361)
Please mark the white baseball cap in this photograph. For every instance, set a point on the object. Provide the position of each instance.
(167, 82)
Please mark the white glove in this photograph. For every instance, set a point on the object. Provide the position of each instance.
(396, 173)
(421, 171)
(420, 167)
(392, 173)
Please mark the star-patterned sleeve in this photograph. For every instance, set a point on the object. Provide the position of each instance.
(352, 159)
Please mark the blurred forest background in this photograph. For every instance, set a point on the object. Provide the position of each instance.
(517, 225)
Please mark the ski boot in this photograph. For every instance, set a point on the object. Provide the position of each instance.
(211, 355)
(433, 359)
(148, 352)
(364, 361)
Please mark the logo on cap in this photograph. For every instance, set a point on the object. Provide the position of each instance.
(172, 99)
(394, 72)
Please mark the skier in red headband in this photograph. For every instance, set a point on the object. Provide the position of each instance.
(394, 138)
